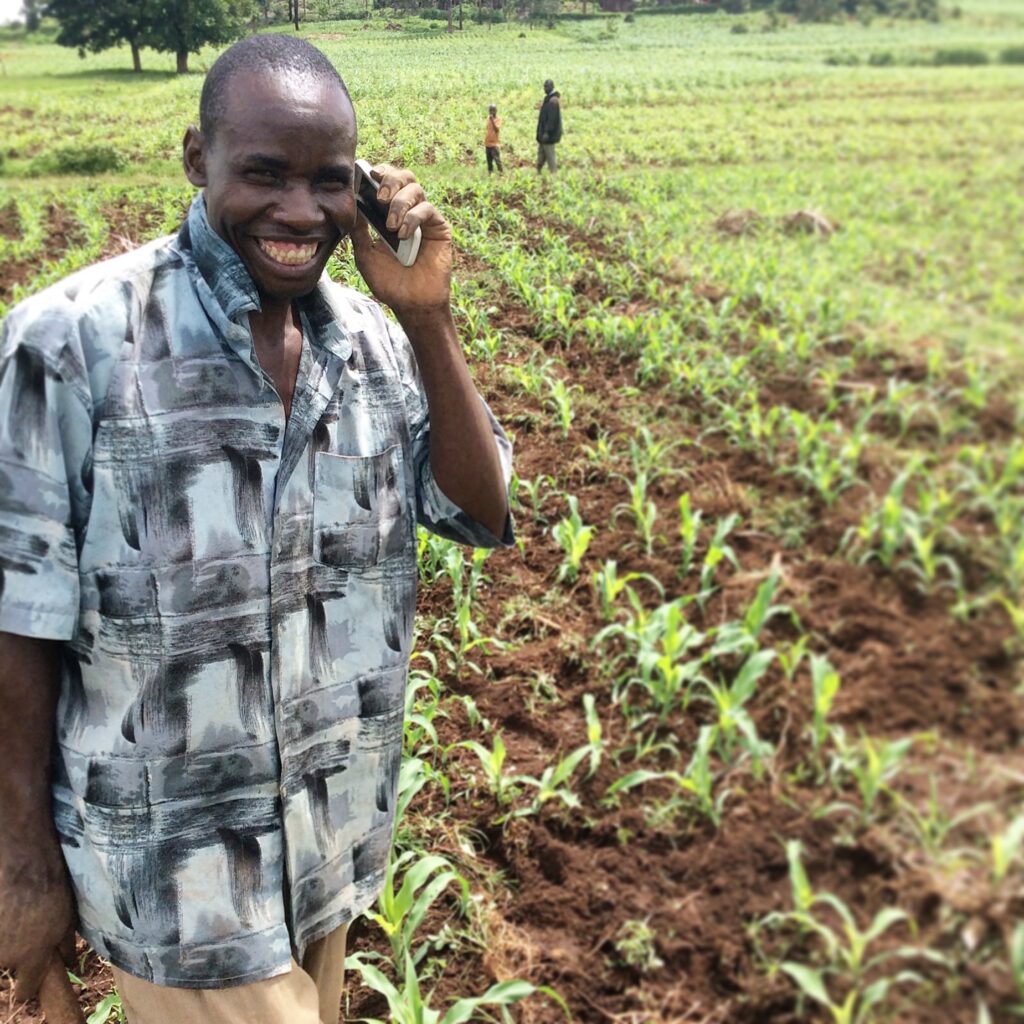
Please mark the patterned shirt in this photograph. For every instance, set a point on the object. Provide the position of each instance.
(236, 592)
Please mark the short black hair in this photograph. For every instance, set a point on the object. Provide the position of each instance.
(269, 52)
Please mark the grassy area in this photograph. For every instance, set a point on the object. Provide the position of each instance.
(753, 674)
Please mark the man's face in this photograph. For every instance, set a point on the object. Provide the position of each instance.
(278, 177)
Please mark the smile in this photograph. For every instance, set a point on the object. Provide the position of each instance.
(288, 254)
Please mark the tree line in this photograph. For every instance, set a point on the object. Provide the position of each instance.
(183, 27)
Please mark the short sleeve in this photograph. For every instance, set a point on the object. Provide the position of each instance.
(45, 435)
(434, 510)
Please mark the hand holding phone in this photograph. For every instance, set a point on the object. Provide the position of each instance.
(375, 213)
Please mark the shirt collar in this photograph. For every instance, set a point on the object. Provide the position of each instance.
(234, 291)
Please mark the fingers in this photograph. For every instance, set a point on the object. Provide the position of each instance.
(409, 209)
(392, 180)
(402, 202)
(425, 216)
(31, 974)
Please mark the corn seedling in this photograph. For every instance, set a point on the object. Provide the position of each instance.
(845, 953)
(872, 764)
(595, 737)
(792, 655)
(560, 402)
(408, 1005)
(574, 538)
(401, 909)
(825, 683)
(730, 700)
(662, 669)
(554, 781)
(742, 636)
(609, 585)
(107, 1011)
(689, 531)
(718, 551)
(642, 509)
(932, 826)
(536, 492)
(1006, 847)
(697, 782)
(492, 761)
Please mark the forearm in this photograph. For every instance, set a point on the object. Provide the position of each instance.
(463, 453)
(29, 687)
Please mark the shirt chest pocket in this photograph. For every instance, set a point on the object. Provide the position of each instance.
(360, 518)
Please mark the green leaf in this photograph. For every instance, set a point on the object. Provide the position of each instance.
(810, 982)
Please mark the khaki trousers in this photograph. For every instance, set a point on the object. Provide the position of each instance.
(308, 994)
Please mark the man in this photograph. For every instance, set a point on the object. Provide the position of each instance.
(549, 128)
(492, 140)
(212, 461)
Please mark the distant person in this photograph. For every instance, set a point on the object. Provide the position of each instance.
(492, 140)
(549, 128)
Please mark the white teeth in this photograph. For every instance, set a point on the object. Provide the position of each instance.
(288, 253)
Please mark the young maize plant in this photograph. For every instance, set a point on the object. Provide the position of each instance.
(554, 782)
(422, 706)
(643, 510)
(609, 586)
(742, 637)
(689, 531)
(501, 787)
(695, 786)
(650, 456)
(658, 647)
(932, 827)
(408, 1005)
(465, 587)
(717, 552)
(825, 683)
(729, 700)
(559, 401)
(596, 744)
(846, 976)
(401, 909)
(574, 537)
(872, 764)
(791, 657)
(536, 492)
(1006, 848)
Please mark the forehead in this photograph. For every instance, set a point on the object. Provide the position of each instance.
(276, 106)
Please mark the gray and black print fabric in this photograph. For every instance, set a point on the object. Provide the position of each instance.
(237, 593)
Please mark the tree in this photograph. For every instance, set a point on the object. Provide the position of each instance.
(95, 25)
(33, 11)
(182, 27)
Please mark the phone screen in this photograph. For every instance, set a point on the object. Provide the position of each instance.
(374, 211)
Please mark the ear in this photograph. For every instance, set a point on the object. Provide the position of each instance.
(193, 155)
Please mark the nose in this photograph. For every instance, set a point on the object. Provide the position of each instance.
(298, 209)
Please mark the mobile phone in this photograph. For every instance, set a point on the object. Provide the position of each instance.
(375, 213)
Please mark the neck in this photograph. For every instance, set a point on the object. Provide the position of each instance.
(273, 318)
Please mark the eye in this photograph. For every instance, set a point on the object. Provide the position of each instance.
(332, 183)
(262, 176)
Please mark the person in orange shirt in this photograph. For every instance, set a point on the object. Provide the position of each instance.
(492, 140)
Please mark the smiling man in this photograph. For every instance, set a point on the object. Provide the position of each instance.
(212, 463)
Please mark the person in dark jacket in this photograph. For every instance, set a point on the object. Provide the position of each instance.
(549, 128)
